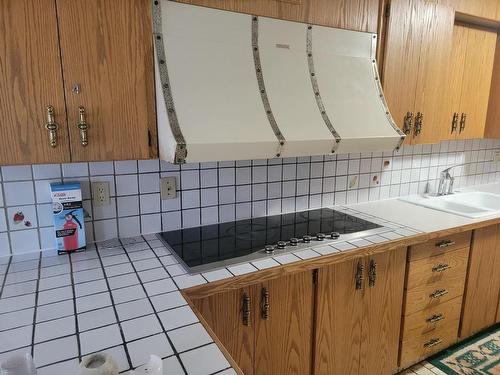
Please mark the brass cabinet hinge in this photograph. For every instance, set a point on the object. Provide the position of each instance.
(150, 143)
(315, 277)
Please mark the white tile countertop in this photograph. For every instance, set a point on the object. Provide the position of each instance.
(122, 297)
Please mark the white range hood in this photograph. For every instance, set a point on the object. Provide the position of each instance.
(231, 86)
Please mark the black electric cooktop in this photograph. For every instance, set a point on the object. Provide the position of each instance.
(217, 244)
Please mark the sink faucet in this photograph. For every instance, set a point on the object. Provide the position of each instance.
(446, 180)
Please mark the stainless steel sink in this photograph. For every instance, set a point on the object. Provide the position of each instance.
(469, 204)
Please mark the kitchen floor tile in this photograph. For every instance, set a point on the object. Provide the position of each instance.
(16, 319)
(122, 281)
(153, 274)
(190, 337)
(15, 338)
(141, 327)
(54, 329)
(100, 338)
(217, 275)
(91, 287)
(159, 287)
(92, 302)
(17, 303)
(205, 360)
(140, 350)
(55, 350)
(55, 295)
(54, 282)
(177, 317)
(134, 309)
(167, 301)
(187, 281)
(96, 318)
(54, 311)
(62, 368)
(129, 293)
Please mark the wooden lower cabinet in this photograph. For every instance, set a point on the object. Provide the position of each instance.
(277, 338)
(483, 282)
(358, 319)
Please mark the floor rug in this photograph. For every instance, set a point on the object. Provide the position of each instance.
(478, 355)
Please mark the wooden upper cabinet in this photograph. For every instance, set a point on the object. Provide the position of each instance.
(361, 15)
(106, 49)
(30, 80)
(493, 118)
(489, 9)
(418, 46)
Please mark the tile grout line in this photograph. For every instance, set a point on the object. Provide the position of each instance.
(36, 306)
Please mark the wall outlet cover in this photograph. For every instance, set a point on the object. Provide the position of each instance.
(168, 187)
(100, 193)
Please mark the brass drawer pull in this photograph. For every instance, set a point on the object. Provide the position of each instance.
(408, 123)
(359, 275)
(265, 304)
(82, 126)
(51, 126)
(435, 318)
(441, 267)
(454, 122)
(462, 122)
(445, 243)
(432, 342)
(439, 293)
(246, 310)
(372, 273)
(419, 120)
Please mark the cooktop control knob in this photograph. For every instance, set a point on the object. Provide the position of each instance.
(320, 236)
(306, 239)
(269, 249)
(294, 241)
(281, 244)
(335, 235)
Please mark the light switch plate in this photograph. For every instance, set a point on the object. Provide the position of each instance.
(168, 187)
(100, 193)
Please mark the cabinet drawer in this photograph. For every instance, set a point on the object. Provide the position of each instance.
(439, 246)
(417, 348)
(437, 269)
(437, 317)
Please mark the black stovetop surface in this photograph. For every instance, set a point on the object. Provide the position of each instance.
(216, 242)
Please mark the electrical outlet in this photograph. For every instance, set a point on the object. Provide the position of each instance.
(168, 186)
(497, 157)
(100, 193)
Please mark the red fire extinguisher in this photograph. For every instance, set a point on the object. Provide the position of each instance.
(71, 241)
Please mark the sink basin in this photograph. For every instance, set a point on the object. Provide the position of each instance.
(471, 204)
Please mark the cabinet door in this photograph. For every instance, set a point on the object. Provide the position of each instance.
(339, 306)
(493, 118)
(477, 81)
(106, 49)
(284, 326)
(382, 307)
(432, 86)
(224, 314)
(401, 59)
(30, 80)
(483, 282)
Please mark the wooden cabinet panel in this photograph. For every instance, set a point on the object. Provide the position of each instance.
(477, 81)
(489, 9)
(223, 312)
(439, 246)
(382, 307)
(30, 80)
(339, 309)
(493, 118)
(283, 340)
(359, 15)
(483, 281)
(401, 59)
(432, 86)
(106, 48)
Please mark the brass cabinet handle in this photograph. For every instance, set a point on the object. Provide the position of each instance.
(454, 122)
(419, 120)
(82, 125)
(441, 267)
(359, 275)
(408, 123)
(445, 243)
(432, 342)
(246, 310)
(372, 273)
(265, 304)
(463, 119)
(439, 293)
(51, 126)
(435, 318)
